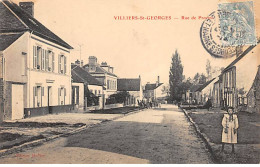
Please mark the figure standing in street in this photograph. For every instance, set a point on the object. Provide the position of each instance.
(230, 126)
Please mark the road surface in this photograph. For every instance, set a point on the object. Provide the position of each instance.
(150, 136)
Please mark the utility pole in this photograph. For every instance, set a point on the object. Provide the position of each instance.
(80, 45)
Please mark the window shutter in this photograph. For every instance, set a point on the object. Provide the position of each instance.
(46, 60)
(42, 91)
(65, 64)
(43, 60)
(34, 56)
(59, 92)
(53, 62)
(59, 59)
(38, 52)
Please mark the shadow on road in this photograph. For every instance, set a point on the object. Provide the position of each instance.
(171, 141)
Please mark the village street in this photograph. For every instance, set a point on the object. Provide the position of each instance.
(150, 136)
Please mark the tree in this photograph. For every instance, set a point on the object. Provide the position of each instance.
(199, 79)
(175, 77)
(196, 78)
(203, 79)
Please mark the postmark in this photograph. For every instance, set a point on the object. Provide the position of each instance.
(229, 29)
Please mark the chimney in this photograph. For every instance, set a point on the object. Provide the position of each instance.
(77, 62)
(92, 61)
(28, 7)
(158, 79)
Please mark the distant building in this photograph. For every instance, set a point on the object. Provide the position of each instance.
(190, 95)
(104, 74)
(153, 91)
(82, 80)
(205, 92)
(133, 87)
(35, 74)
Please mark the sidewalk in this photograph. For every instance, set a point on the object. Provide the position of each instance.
(19, 132)
(208, 125)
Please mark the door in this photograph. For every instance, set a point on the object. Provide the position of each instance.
(17, 102)
(49, 96)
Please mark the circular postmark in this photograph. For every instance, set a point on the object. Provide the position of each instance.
(213, 37)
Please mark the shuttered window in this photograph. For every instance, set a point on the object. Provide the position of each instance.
(38, 93)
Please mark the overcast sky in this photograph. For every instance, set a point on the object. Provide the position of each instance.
(132, 47)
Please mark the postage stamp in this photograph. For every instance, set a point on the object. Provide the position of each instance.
(238, 24)
(232, 26)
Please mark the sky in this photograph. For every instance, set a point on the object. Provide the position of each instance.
(132, 47)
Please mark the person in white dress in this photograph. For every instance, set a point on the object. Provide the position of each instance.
(230, 126)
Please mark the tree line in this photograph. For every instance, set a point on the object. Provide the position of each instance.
(178, 84)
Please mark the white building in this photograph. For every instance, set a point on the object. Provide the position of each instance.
(35, 71)
(81, 81)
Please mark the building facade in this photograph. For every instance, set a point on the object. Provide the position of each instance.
(134, 87)
(84, 86)
(104, 74)
(35, 73)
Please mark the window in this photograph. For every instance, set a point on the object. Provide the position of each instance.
(49, 61)
(62, 64)
(95, 92)
(61, 95)
(99, 92)
(38, 93)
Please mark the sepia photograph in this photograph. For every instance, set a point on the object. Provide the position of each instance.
(129, 82)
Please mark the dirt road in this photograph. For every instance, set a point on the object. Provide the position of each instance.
(150, 136)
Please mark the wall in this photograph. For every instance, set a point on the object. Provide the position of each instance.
(97, 88)
(207, 92)
(246, 69)
(81, 94)
(53, 79)
(15, 61)
(33, 112)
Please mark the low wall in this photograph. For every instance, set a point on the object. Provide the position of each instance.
(33, 112)
(61, 109)
(109, 106)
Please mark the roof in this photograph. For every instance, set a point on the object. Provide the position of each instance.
(7, 39)
(15, 19)
(152, 86)
(80, 75)
(100, 70)
(194, 88)
(240, 57)
(255, 79)
(204, 85)
(126, 84)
